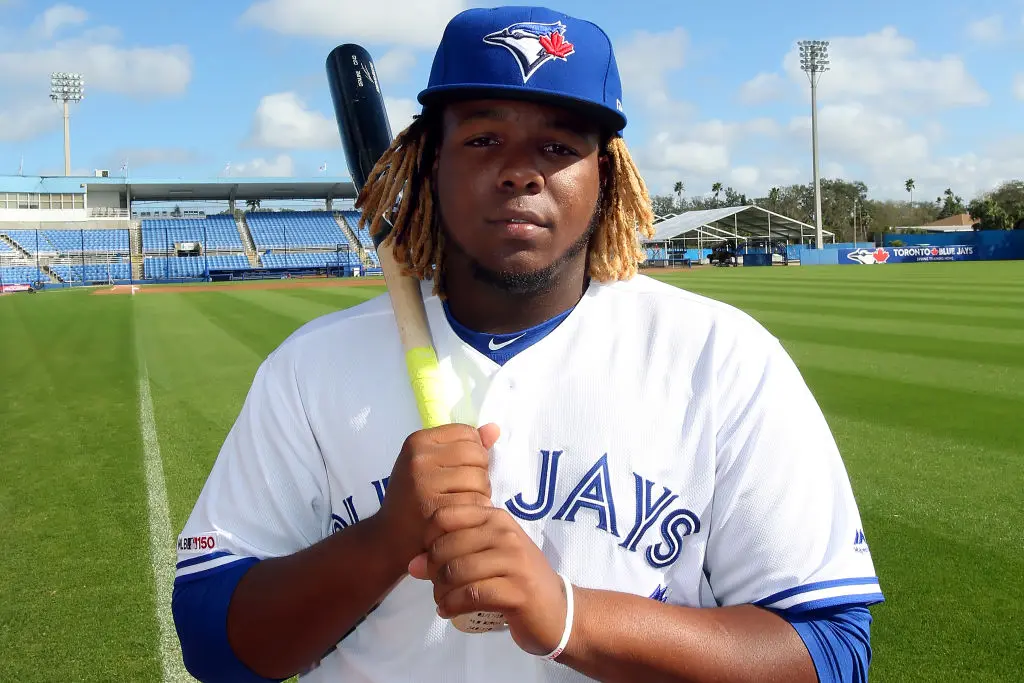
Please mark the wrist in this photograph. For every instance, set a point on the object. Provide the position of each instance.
(382, 542)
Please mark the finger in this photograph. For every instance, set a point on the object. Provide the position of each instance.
(462, 570)
(457, 544)
(498, 594)
(489, 434)
(418, 567)
(465, 479)
(449, 518)
(451, 433)
(462, 498)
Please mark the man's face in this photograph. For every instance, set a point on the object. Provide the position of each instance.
(518, 185)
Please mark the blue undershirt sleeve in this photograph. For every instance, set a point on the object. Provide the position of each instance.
(200, 609)
(838, 640)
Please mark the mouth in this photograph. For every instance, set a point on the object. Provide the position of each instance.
(519, 223)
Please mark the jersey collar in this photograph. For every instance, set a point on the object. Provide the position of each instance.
(501, 348)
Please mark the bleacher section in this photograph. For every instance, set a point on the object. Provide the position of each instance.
(93, 272)
(311, 260)
(294, 229)
(98, 241)
(32, 241)
(156, 267)
(22, 275)
(352, 218)
(216, 232)
(6, 249)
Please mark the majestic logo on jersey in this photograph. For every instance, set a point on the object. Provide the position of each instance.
(660, 594)
(869, 256)
(860, 542)
(533, 44)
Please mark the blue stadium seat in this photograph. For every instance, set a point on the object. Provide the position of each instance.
(311, 260)
(294, 229)
(352, 218)
(159, 267)
(6, 248)
(22, 275)
(214, 232)
(32, 241)
(93, 272)
(98, 241)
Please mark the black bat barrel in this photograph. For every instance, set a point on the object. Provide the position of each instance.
(358, 109)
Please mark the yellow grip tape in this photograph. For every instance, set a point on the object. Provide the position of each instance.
(425, 377)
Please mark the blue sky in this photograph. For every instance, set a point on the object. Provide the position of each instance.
(930, 90)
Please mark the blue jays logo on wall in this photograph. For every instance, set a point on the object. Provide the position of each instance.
(533, 44)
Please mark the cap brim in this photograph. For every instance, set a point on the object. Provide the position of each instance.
(610, 121)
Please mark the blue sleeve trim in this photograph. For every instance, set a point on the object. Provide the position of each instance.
(819, 585)
(202, 558)
(838, 640)
(858, 600)
(200, 610)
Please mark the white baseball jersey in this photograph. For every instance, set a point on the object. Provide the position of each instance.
(654, 442)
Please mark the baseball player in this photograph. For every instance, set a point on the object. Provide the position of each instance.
(637, 479)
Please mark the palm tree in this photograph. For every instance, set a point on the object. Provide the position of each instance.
(717, 189)
(910, 188)
(678, 189)
(774, 196)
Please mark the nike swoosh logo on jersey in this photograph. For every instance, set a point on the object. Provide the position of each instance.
(497, 347)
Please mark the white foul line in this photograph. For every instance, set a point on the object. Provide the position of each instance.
(161, 538)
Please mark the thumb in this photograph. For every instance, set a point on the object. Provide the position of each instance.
(489, 434)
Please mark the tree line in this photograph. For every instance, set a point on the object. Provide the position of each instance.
(848, 211)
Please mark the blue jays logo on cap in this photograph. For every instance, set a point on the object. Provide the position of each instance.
(533, 44)
(531, 53)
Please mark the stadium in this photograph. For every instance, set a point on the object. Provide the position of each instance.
(136, 311)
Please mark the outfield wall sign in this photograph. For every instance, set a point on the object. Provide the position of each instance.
(914, 254)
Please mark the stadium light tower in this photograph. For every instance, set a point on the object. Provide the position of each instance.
(67, 87)
(814, 61)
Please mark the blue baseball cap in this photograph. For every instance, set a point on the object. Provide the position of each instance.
(528, 53)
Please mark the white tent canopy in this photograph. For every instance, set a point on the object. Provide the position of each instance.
(733, 223)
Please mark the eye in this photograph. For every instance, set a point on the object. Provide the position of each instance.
(558, 149)
(481, 141)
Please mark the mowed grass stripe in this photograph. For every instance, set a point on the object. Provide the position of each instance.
(989, 421)
(336, 298)
(945, 533)
(925, 346)
(840, 324)
(75, 575)
(199, 375)
(254, 326)
(299, 308)
(870, 363)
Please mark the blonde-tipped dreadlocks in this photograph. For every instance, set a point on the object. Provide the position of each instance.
(400, 187)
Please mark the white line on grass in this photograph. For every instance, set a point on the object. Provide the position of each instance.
(161, 538)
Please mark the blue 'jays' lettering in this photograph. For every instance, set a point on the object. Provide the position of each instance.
(381, 486)
(594, 492)
(350, 511)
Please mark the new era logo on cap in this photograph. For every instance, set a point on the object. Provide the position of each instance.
(533, 44)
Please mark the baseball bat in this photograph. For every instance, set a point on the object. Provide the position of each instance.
(366, 134)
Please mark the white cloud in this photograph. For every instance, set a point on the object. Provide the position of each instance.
(1018, 86)
(743, 177)
(884, 67)
(988, 30)
(59, 16)
(644, 61)
(28, 120)
(762, 88)
(865, 135)
(395, 65)
(283, 121)
(400, 112)
(152, 156)
(138, 71)
(281, 166)
(418, 24)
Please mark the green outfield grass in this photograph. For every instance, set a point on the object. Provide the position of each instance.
(919, 368)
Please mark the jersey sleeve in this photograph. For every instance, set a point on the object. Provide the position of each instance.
(267, 493)
(785, 532)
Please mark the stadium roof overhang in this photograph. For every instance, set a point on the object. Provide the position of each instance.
(239, 189)
(732, 222)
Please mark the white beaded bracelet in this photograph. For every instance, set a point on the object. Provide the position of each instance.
(568, 621)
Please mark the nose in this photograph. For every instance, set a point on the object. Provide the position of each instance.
(521, 173)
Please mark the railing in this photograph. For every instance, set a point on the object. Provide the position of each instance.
(104, 212)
